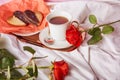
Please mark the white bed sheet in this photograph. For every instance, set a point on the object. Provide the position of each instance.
(104, 60)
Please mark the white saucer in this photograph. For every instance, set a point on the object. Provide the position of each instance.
(56, 45)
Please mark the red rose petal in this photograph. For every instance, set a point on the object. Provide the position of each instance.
(73, 36)
(60, 70)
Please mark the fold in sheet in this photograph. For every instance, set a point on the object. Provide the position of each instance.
(79, 11)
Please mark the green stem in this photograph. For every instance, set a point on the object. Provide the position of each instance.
(94, 25)
(101, 25)
(39, 67)
(39, 57)
(108, 23)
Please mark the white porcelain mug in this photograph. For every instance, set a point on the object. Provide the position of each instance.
(58, 22)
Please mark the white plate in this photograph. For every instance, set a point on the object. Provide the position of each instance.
(26, 34)
(56, 45)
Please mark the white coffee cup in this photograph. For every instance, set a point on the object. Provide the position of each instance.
(58, 28)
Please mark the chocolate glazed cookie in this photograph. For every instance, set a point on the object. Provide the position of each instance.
(20, 15)
(27, 17)
(31, 17)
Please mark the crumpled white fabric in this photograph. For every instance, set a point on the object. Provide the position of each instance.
(86, 62)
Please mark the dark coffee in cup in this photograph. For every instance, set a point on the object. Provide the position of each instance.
(58, 20)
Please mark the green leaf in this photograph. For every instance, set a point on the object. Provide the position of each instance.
(25, 77)
(29, 49)
(92, 19)
(5, 62)
(94, 39)
(107, 29)
(6, 53)
(94, 31)
(15, 74)
(2, 76)
(31, 78)
(36, 71)
(39, 57)
(30, 71)
(33, 73)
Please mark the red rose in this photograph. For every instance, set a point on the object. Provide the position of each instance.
(60, 70)
(73, 36)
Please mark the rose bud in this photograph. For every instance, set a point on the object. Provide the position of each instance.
(60, 70)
